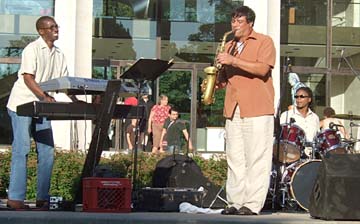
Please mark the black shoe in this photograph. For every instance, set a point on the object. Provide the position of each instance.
(245, 211)
(230, 211)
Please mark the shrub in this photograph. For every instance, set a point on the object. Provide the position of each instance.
(68, 166)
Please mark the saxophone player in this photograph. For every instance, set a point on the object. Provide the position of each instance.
(247, 63)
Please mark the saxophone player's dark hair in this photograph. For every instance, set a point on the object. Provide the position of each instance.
(244, 11)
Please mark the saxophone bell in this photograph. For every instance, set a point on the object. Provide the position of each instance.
(208, 85)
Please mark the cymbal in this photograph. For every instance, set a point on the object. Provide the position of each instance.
(347, 116)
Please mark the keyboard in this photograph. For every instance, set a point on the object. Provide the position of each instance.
(75, 111)
(85, 86)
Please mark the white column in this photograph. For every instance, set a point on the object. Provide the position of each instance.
(83, 60)
(268, 22)
(75, 40)
(356, 12)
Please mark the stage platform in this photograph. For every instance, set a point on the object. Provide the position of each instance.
(60, 217)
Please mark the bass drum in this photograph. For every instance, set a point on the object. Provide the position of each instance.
(301, 178)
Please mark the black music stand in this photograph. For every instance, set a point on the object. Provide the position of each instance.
(143, 69)
(146, 69)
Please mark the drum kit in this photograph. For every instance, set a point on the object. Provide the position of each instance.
(299, 161)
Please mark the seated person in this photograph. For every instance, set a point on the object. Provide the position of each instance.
(329, 119)
(302, 114)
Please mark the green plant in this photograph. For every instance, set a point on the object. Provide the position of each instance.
(66, 173)
(68, 167)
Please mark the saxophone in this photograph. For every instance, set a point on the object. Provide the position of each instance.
(208, 84)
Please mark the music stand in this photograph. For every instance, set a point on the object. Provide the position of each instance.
(141, 70)
(147, 69)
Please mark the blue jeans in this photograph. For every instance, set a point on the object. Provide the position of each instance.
(172, 148)
(40, 130)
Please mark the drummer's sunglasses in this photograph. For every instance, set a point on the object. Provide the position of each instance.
(300, 96)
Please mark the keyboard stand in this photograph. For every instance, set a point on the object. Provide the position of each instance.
(99, 137)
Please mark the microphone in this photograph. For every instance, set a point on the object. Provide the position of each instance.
(292, 120)
(332, 125)
(352, 124)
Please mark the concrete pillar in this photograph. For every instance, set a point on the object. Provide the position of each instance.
(268, 22)
(75, 40)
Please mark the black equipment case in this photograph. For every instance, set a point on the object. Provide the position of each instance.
(167, 199)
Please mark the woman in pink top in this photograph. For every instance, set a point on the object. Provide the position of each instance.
(157, 117)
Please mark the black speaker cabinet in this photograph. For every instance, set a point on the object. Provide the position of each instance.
(336, 192)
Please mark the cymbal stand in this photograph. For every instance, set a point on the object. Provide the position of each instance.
(282, 184)
(352, 124)
(314, 150)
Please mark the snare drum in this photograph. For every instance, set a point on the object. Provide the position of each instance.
(328, 141)
(301, 178)
(292, 139)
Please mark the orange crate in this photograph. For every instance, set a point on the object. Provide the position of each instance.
(106, 194)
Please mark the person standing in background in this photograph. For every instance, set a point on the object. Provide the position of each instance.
(249, 111)
(148, 104)
(130, 135)
(173, 129)
(41, 61)
(157, 117)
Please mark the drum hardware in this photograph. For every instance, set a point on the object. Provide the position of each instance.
(350, 145)
(296, 184)
(334, 126)
(352, 124)
(309, 151)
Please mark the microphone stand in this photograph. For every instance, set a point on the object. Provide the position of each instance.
(277, 126)
(141, 70)
(137, 137)
(354, 72)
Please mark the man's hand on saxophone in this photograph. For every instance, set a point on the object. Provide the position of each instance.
(225, 59)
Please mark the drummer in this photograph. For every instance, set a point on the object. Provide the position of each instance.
(328, 114)
(302, 114)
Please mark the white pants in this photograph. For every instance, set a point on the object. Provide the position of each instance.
(249, 146)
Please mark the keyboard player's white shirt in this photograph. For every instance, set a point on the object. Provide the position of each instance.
(43, 63)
